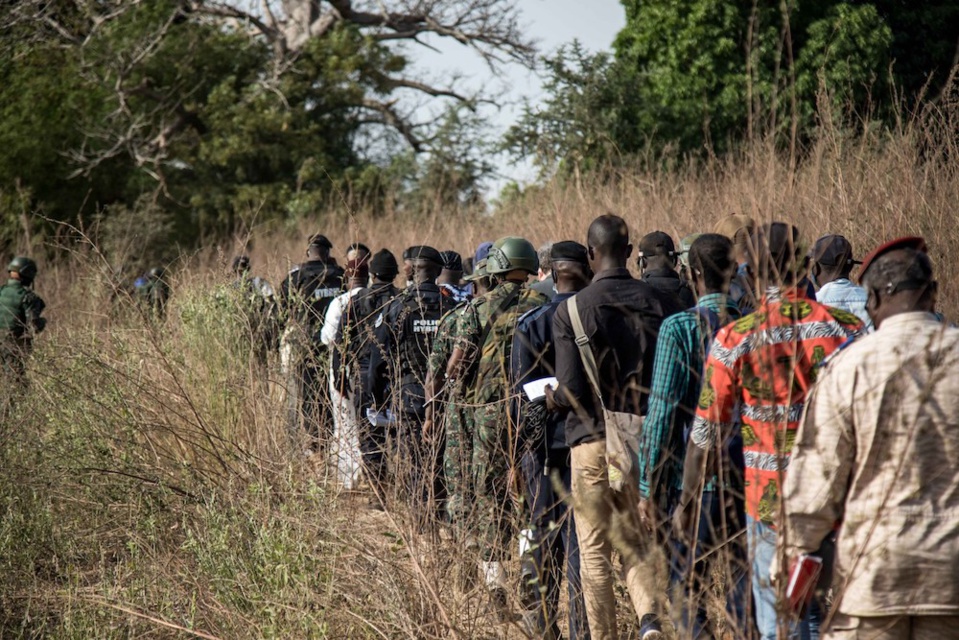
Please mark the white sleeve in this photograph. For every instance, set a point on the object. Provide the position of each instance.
(331, 323)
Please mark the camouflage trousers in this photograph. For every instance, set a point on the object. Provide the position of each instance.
(478, 471)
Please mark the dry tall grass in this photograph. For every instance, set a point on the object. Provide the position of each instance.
(147, 487)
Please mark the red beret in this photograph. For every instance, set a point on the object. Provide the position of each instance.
(909, 242)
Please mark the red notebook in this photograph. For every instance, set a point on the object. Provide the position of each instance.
(802, 582)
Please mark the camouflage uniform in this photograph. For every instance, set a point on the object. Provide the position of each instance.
(485, 333)
(20, 319)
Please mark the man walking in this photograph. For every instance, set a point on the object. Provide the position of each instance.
(304, 297)
(481, 463)
(763, 366)
(831, 262)
(404, 336)
(620, 317)
(657, 261)
(355, 340)
(878, 452)
(681, 349)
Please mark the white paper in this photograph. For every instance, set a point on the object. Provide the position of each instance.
(537, 388)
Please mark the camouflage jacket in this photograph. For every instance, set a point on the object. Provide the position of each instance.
(485, 334)
(20, 311)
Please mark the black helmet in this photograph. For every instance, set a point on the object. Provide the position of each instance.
(26, 267)
(511, 253)
(241, 264)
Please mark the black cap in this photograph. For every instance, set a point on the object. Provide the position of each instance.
(241, 263)
(568, 251)
(320, 240)
(424, 252)
(383, 265)
(833, 251)
(452, 261)
(657, 243)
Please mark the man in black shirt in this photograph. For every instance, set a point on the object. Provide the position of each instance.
(658, 260)
(621, 317)
(303, 299)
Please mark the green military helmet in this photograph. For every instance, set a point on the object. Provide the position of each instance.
(512, 253)
(26, 267)
(684, 246)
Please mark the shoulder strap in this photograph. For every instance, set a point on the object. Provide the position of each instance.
(585, 353)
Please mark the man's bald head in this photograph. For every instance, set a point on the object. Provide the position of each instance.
(900, 281)
(608, 240)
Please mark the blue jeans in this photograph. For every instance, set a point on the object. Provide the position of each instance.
(762, 548)
(716, 539)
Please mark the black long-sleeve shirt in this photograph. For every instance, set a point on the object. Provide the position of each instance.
(621, 316)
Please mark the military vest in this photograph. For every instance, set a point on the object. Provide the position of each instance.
(415, 316)
(14, 299)
(507, 303)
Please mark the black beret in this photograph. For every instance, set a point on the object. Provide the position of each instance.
(384, 264)
(320, 240)
(452, 261)
(568, 251)
(424, 252)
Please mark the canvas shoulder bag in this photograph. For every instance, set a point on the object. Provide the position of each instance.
(622, 429)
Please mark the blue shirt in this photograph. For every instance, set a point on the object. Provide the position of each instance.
(843, 294)
(533, 357)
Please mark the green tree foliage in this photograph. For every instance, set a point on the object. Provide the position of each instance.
(702, 76)
(226, 118)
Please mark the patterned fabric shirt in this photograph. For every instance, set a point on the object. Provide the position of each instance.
(767, 363)
(680, 354)
(843, 294)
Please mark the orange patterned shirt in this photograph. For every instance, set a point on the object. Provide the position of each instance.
(758, 375)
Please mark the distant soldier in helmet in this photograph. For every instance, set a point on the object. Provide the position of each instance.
(21, 312)
(479, 464)
(154, 292)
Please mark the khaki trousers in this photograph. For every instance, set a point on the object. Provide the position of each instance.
(894, 628)
(608, 520)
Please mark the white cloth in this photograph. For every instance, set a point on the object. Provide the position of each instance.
(331, 322)
(843, 294)
(346, 427)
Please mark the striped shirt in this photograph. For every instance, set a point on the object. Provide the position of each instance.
(766, 363)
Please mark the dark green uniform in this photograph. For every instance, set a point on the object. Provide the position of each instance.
(485, 333)
(20, 318)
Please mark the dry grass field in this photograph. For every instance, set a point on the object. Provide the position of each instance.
(147, 485)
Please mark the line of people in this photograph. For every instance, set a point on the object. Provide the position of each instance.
(663, 411)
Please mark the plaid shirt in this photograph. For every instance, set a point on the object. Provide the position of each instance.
(767, 362)
(680, 354)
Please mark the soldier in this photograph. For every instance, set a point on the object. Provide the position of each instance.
(479, 463)
(398, 361)
(304, 297)
(20, 315)
(443, 406)
(257, 303)
(154, 292)
(355, 339)
(546, 459)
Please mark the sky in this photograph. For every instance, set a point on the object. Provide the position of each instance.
(552, 23)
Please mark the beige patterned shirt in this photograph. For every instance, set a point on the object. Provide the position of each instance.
(878, 450)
